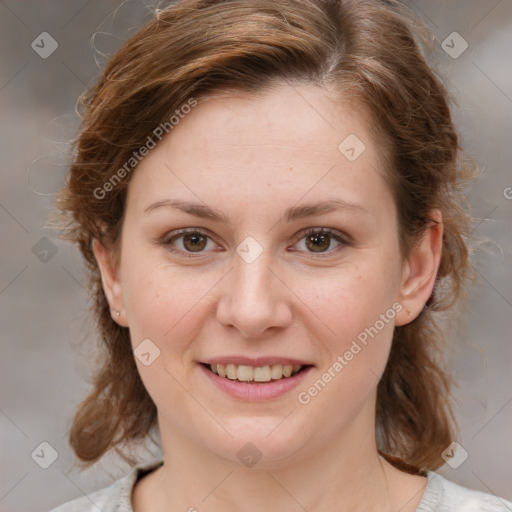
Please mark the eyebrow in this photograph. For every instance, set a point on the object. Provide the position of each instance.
(293, 213)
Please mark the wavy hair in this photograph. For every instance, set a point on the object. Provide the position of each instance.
(367, 51)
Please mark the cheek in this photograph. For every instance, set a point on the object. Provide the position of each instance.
(355, 313)
(166, 304)
(149, 305)
(350, 301)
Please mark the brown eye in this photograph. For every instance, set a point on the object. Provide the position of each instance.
(194, 242)
(319, 242)
(186, 242)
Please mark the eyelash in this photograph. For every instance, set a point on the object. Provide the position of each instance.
(344, 242)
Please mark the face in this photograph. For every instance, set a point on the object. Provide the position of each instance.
(254, 240)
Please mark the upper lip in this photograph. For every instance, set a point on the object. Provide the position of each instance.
(255, 361)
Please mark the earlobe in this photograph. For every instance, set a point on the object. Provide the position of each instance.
(420, 271)
(110, 281)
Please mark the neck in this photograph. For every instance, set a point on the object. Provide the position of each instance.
(346, 473)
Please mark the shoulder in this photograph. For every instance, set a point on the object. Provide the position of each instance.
(443, 495)
(114, 498)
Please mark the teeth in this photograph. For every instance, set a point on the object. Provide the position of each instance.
(231, 371)
(262, 374)
(276, 372)
(246, 373)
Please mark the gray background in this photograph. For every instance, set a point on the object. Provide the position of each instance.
(43, 303)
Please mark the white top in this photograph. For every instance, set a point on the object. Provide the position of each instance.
(440, 495)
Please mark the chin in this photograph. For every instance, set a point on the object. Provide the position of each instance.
(259, 443)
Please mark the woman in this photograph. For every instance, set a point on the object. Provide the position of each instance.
(267, 195)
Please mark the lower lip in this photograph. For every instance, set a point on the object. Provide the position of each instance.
(254, 392)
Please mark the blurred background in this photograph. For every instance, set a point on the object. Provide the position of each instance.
(50, 52)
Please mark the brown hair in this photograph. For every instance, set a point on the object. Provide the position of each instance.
(363, 50)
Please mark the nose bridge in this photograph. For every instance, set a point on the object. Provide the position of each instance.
(252, 298)
(253, 278)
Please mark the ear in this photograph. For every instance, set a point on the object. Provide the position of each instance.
(420, 271)
(110, 280)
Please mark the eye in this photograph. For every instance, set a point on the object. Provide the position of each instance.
(192, 241)
(316, 241)
(319, 240)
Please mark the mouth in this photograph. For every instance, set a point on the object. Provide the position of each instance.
(255, 374)
(264, 379)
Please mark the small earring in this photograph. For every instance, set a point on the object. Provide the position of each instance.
(408, 312)
(117, 313)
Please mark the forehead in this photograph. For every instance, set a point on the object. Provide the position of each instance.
(299, 117)
(292, 140)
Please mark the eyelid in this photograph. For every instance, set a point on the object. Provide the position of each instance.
(342, 238)
(323, 230)
(176, 234)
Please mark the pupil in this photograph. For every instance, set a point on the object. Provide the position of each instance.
(322, 238)
(196, 241)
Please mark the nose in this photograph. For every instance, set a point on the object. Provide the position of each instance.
(254, 298)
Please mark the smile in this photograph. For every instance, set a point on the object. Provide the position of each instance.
(245, 373)
(265, 380)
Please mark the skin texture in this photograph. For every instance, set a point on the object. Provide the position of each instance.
(251, 158)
